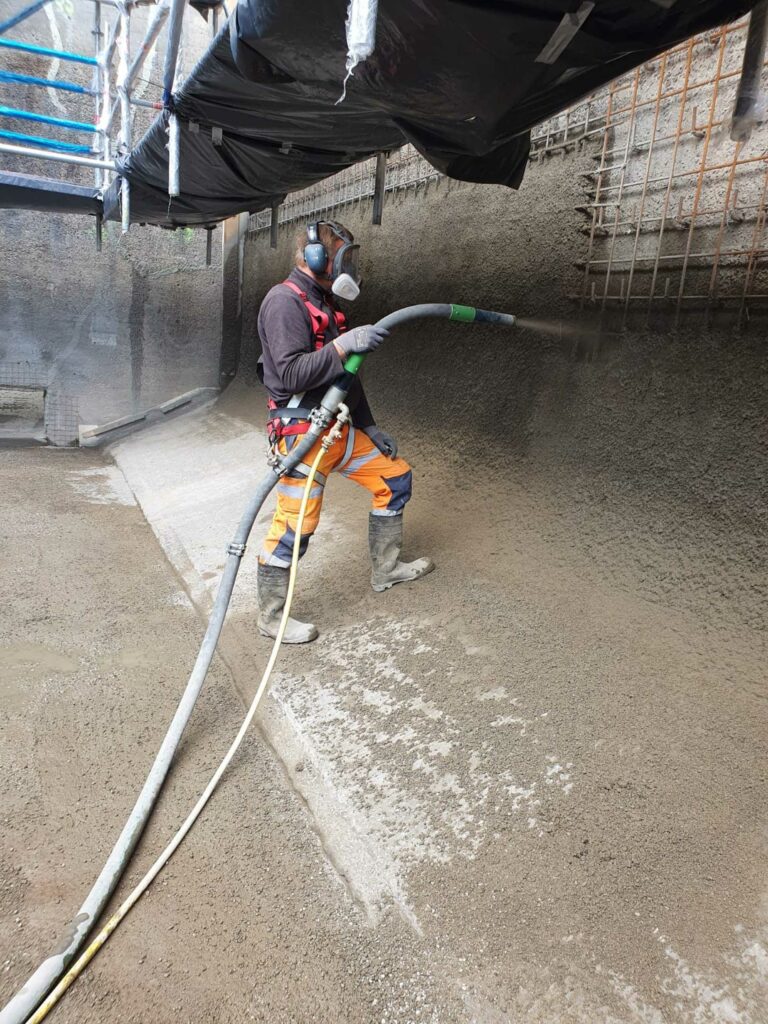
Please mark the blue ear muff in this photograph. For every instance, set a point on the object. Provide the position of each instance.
(316, 257)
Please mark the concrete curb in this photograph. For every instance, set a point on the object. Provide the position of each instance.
(90, 436)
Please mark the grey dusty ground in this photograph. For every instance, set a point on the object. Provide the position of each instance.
(526, 789)
(249, 921)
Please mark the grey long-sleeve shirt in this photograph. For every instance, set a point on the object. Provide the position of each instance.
(289, 361)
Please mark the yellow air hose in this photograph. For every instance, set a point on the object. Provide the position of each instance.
(93, 948)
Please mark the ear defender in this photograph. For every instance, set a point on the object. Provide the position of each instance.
(315, 253)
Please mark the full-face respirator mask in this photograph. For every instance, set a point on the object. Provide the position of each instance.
(345, 269)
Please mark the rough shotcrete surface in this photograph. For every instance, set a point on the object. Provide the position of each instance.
(557, 781)
(594, 641)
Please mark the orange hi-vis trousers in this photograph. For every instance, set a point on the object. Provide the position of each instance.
(353, 455)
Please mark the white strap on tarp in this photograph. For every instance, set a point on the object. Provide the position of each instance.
(564, 33)
(361, 35)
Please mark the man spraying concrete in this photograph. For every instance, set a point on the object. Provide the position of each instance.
(304, 341)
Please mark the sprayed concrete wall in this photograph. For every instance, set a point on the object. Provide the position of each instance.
(109, 333)
(115, 331)
(645, 453)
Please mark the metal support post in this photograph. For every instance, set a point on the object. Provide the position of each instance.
(174, 146)
(153, 31)
(154, 28)
(273, 224)
(751, 70)
(124, 144)
(170, 83)
(379, 187)
(98, 233)
(172, 49)
(98, 140)
(208, 245)
(105, 61)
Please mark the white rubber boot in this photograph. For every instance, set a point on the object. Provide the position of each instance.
(273, 590)
(385, 539)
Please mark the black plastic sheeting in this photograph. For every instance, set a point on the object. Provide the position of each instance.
(29, 192)
(463, 80)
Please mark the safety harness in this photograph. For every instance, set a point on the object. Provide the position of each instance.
(293, 410)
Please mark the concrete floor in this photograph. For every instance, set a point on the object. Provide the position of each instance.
(250, 921)
(515, 791)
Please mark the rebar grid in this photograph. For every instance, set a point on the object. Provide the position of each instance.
(676, 212)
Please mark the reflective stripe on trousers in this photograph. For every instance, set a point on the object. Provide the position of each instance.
(356, 457)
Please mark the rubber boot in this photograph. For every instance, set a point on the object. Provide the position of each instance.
(385, 538)
(273, 590)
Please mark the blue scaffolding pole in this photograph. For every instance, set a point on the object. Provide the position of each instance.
(22, 15)
(38, 140)
(57, 122)
(45, 83)
(44, 51)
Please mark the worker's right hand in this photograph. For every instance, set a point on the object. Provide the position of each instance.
(361, 339)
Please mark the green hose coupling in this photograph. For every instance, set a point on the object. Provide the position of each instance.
(463, 314)
(354, 362)
(470, 315)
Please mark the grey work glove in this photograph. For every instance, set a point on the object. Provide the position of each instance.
(386, 444)
(361, 339)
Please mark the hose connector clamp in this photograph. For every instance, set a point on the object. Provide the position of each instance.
(320, 418)
(238, 550)
(343, 416)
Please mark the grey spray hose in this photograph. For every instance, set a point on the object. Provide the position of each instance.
(446, 311)
(37, 986)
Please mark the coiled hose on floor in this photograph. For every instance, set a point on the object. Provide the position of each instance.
(20, 1008)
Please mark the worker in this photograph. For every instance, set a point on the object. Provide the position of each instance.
(305, 341)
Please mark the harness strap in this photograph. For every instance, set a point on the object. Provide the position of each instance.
(279, 418)
(293, 412)
(318, 318)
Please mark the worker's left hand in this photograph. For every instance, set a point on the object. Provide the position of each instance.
(386, 444)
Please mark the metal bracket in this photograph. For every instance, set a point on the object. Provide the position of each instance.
(379, 188)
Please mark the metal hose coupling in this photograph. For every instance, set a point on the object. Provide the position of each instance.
(342, 416)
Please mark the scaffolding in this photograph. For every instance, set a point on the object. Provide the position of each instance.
(106, 80)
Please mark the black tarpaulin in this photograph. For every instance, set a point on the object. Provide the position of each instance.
(463, 80)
